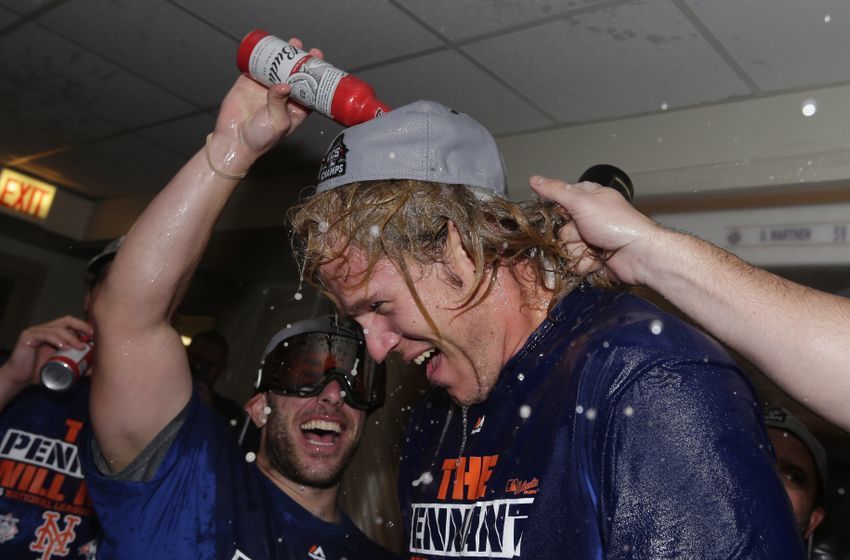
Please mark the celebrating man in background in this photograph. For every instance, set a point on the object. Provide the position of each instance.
(169, 480)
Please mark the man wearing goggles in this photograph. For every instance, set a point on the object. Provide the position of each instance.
(164, 473)
(315, 386)
(302, 359)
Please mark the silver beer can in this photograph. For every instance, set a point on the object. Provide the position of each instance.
(65, 367)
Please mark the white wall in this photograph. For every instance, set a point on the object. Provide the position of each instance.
(739, 145)
(787, 236)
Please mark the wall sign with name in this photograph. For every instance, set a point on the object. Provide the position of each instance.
(24, 195)
(790, 235)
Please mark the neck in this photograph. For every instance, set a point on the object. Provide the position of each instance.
(532, 305)
(321, 502)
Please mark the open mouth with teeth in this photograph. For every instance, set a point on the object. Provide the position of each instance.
(425, 356)
(322, 433)
(431, 359)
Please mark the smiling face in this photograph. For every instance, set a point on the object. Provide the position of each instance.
(310, 440)
(800, 477)
(467, 344)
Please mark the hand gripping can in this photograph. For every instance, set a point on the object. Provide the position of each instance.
(65, 367)
(315, 83)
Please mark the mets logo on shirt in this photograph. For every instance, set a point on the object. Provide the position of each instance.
(316, 552)
(55, 534)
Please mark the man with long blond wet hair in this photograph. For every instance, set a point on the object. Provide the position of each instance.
(407, 221)
(566, 420)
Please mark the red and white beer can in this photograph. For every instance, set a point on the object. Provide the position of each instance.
(316, 84)
(65, 367)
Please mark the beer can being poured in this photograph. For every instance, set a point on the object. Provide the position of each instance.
(315, 84)
(65, 367)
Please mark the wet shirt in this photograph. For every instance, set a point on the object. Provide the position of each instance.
(617, 431)
(45, 511)
(206, 501)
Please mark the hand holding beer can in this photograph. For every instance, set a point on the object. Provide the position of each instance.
(65, 367)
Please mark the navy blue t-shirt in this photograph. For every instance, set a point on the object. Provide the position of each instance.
(617, 431)
(206, 501)
(45, 511)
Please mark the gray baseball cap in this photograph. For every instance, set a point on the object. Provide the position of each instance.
(424, 141)
(780, 418)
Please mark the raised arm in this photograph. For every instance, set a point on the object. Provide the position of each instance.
(798, 336)
(34, 346)
(142, 378)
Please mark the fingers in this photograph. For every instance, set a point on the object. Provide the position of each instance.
(583, 259)
(299, 44)
(77, 324)
(570, 234)
(283, 110)
(545, 187)
(562, 192)
(60, 333)
(277, 101)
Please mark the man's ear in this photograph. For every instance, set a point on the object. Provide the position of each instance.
(815, 519)
(255, 407)
(459, 261)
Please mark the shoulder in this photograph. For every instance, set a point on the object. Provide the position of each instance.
(631, 331)
(627, 353)
(630, 319)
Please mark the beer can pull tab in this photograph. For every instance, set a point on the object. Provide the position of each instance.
(65, 367)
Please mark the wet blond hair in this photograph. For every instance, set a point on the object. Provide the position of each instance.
(406, 221)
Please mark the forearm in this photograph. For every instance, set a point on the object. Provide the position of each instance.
(797, 336)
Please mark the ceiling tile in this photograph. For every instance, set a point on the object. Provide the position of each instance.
(154, 40)
(613, 62)
(7, 17)
(783, 44)
(21, 6)
(114, 167)
(137, 157)
(37, 62)
(350, 34)
(184, 136)
(48, 123)
(453, 80)
(460, 19)
(90, 176)
(18, 139)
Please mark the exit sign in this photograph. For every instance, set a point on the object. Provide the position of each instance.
(25, 195)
